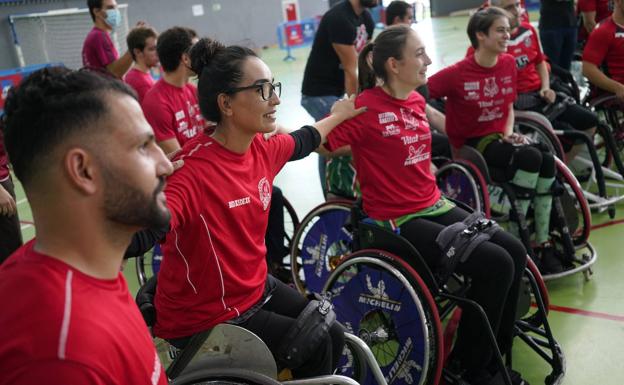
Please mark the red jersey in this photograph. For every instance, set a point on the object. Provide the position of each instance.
(605, 49)
(524, 46)
(603, 9)
(391, 147)
(478, 98)
(140, 81)
(173, 112)
(98, 50)
(4, 160)
(214, 266)
(61, 326)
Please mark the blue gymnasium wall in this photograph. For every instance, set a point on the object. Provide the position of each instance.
(252, 22)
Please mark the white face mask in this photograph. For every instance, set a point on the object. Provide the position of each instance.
(113, 18)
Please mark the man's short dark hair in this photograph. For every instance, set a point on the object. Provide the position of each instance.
(172, 44)
(93, 4)
(48, 107)
(397, 8)
(482, 20)
(137, 37)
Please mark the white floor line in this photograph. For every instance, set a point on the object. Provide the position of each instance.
(19, 202)
(24, 227)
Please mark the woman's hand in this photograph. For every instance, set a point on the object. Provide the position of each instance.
(345, 108)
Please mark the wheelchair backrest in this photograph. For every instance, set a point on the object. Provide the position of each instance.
(145, 301)
(372, 236)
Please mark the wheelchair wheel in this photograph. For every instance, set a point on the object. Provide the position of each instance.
(148, 264)
(462, 181)
(351, 364)
(384, 301)
(223, 377)
(540, 134)
(322, 238)
(291, 222)
(575, 206)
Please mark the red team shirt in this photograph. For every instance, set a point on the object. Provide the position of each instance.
(140, 81)
(173, 112)
(391, 146)
(98, 50)
(605, 47)
(4, 160)
(214, 266)
(524, 46)
(478, 98)
(603, 9)
(61, 326)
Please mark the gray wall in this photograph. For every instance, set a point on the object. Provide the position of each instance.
(251, 22)
(444, 7)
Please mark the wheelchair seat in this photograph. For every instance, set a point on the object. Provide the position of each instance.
(472, 155)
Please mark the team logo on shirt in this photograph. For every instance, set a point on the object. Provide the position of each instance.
(528, 42)
(410, 121)
(361, 38)
(387, 117)
(179, 115)
(522, 61)
(416, 155)
(490, 88)
(391, 130)
(264, 191)
(471, 86)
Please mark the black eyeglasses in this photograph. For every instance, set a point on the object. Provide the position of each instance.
(267, 89)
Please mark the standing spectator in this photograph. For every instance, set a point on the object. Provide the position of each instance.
(171, 105)
(93, 176)
(603, 57)
(331, 69)
(142, 47)
(10, 229)
(558, 31)
(98, 51)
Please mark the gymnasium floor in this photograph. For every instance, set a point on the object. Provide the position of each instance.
(588, 317)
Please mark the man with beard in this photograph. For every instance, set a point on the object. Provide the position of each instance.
(331, 70)
(93, 175)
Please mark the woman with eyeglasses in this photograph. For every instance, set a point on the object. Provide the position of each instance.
(214, 267)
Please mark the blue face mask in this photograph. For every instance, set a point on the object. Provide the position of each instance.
(113, 17)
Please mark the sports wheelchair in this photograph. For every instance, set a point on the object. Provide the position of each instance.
(229, 354)
(148, 264)
(467, 178)
(384, 292)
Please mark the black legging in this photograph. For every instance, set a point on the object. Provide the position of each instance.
(505, 156)
(495, 268)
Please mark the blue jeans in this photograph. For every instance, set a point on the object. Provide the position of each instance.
(559, 45)
(319, 107)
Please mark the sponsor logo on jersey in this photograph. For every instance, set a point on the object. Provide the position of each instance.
(179, 115)
(472, 95)
(239, 202)
(416, 155)
(378, 297)
(387, 117)
(410, 121)
(507, 91)
(522, 61)
(487, 115)
(619, 35)
(264, 192)
(490, 89)
(507, 80)
(390, 130)
(471, 86)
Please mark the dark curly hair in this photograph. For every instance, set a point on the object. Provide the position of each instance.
(172, 44)
(219, 69)
(48, 107)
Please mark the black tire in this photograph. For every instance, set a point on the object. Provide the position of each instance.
(223, 377)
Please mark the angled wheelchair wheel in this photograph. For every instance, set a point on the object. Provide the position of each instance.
(148, 264)
(322, 238)
(462, 181)
(574, 204)
(223, 377)
(540, 134)
(381, 299)
(291, 222)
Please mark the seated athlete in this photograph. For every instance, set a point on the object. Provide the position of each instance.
(93, 176)
(480, 91)
(533, 82)
(391, 146)
(214, 267)
(603, 56)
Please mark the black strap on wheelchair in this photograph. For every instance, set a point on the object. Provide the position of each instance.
(145, 301)
(460, 239)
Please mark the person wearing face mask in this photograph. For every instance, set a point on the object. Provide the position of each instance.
(98, 51)
(331, 71)
(170, 106)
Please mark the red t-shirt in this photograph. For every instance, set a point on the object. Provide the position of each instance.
(60, 326)
(391, 146)
(603, 9)
(214, 266)
(4, 160)
(605, 48)
(478, 98)
(140, 81)
(98, 50)
(173, 112)
(524, 46)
